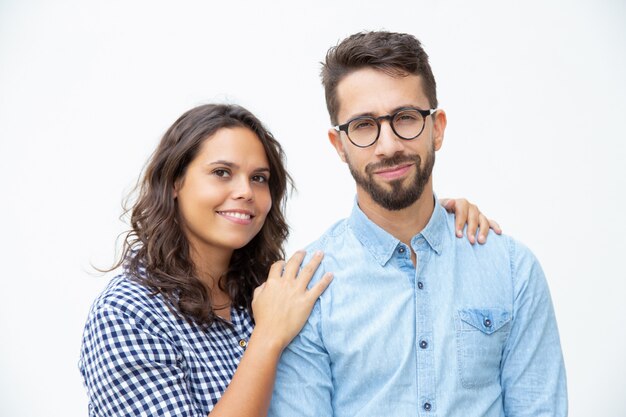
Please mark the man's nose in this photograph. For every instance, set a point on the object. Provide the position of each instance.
(388, 143)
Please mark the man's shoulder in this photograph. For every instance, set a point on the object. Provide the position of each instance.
(499, 251)
(495, 242)
(333, 234)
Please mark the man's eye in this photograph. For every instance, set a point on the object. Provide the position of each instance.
(407, 117)
(362, 124)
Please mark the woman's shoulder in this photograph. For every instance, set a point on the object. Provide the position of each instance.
(125, 296)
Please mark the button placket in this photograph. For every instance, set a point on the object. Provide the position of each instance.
(424, 332)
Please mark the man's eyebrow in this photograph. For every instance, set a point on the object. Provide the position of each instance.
(354, 116)
(408, 106)
(370, 114)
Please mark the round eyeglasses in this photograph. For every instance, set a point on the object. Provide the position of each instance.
(407, 123)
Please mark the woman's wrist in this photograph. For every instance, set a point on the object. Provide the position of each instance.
(266, 342)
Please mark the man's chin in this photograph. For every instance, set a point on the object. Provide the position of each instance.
(393, 199)
(402, 185)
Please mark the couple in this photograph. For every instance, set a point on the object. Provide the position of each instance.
(414, 322)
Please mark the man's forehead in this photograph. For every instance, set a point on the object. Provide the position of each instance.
(370, 91)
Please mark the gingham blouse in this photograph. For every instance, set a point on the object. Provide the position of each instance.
(140, 359)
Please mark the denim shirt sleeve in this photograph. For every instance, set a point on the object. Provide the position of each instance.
(532, 369)
(303, 384)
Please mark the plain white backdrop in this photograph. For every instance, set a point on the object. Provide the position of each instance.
(536, 100)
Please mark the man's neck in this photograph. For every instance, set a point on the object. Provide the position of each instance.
(401, 224)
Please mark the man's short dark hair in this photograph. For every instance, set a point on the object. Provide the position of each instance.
(396, 54)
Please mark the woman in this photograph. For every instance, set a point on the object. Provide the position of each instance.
(173, 334)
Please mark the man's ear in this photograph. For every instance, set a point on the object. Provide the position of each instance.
(335, 139)
(440, 121)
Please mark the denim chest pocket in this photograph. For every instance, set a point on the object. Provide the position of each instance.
(481, 335)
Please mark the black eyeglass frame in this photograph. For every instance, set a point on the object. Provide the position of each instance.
(389, 118)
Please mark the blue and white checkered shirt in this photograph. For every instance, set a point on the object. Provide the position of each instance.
(140, 359)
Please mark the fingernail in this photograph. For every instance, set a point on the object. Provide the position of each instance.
(459, 233)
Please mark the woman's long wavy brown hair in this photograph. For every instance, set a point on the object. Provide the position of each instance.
(156, 252)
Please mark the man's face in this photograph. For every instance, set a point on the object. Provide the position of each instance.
(392, 172)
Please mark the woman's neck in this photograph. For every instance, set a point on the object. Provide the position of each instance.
(210, 267)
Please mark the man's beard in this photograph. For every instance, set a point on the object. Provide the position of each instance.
(397, 197)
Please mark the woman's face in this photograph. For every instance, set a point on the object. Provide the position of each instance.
(224, 196)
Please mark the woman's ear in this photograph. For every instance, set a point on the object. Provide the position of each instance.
(177, 184)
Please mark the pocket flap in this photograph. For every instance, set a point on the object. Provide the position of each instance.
(487, 320)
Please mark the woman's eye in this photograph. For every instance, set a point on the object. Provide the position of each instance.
(259, 178)
(221, 173)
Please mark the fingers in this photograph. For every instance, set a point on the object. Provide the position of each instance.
(290, 271)
(257, 291)
(293, 264)
(493, 225)
(472, 222)
(448, 204)
(321, 286)
(468, 213)
(305, 275)
(276, 270)
(290, 268)
(483, 225)
(461, 212)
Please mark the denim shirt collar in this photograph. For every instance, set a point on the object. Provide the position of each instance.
(382, 245)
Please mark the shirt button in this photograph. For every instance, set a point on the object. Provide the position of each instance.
(420, 285)
(423, 344)
(401, 249)
(487, 322)
(427, 406)
(243, 343)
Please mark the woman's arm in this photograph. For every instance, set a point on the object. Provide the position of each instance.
(281, 306)
(129, 365)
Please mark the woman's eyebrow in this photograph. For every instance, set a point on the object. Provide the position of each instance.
(233, 165)
(224, 162)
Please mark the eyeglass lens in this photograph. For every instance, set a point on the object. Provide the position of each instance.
(407, 124)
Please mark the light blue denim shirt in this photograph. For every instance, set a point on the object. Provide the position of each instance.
(468, 332)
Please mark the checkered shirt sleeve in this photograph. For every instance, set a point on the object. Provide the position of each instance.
(139, 359)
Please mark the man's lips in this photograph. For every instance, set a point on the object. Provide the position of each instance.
(394, 172)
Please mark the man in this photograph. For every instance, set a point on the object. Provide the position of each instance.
(415, 322)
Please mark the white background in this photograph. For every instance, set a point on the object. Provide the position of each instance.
(536, 103)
